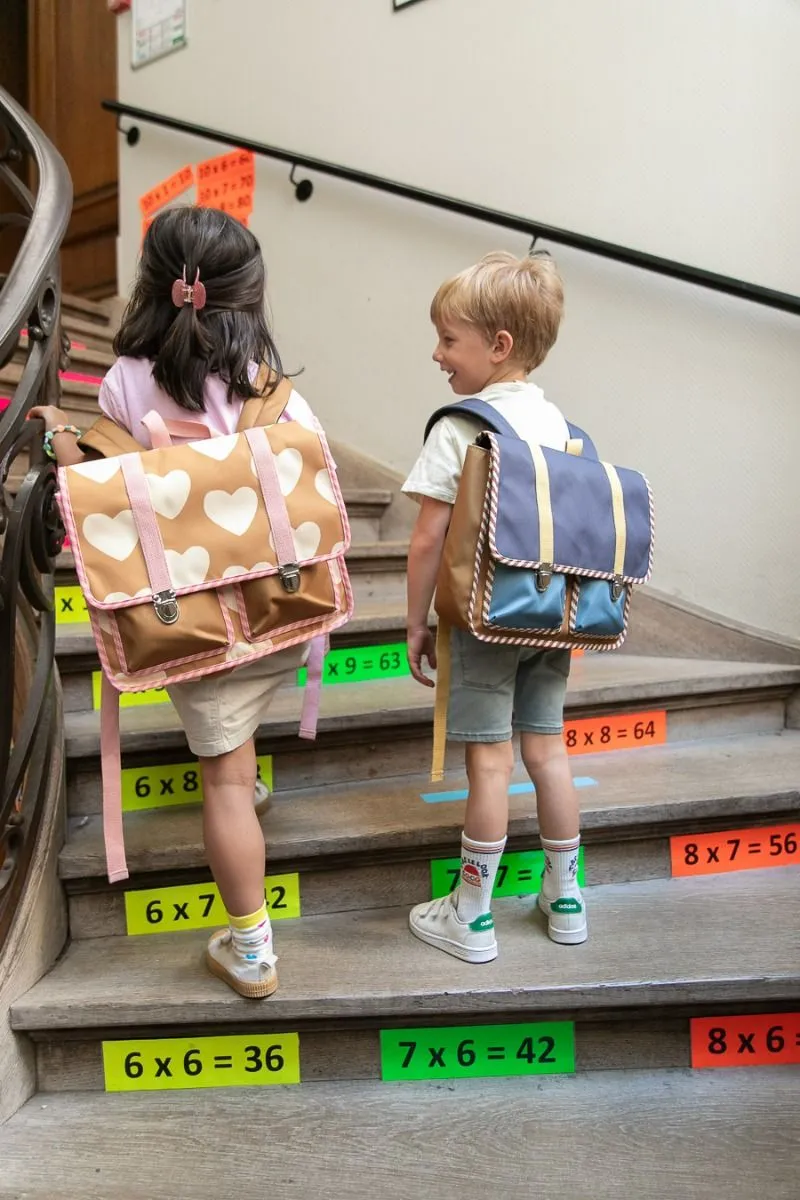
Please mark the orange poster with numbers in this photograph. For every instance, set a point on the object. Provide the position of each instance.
(227, 182)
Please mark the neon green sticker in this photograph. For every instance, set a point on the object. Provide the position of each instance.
(172, 1064)
(362, 663)
(157, 695)
(173, 784)
(519, 874)
(70, 606)
(478, 1051)
(199, 906)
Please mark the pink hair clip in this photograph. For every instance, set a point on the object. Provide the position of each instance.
(189, 293)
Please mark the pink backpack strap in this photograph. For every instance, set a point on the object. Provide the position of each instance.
(111, 767)
(144, 516)
(162, 432)
(282, 536)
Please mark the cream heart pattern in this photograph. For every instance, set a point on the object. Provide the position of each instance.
(307, 538)
(233, 512)
(115, 537)
(229, 572)
(189, 568)
(322, 482)
(116, 597)
(169, 492)
(219, 448)
(99, 471)
(289, 464)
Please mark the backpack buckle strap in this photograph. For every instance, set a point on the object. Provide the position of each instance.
(290, 576)
(166, 606)
(542, 576)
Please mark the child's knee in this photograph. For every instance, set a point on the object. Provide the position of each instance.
(237, 768)
(542, 750)
(489, 758)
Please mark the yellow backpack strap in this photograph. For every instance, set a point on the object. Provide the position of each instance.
(441, 702)
(575, 446)
(265, 410)
(108, 439)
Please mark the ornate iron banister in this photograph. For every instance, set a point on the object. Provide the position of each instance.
(753, 292)
(30, 529)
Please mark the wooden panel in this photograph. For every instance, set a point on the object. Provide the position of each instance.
(72, 57)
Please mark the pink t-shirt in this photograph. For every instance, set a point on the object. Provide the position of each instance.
(129, 392)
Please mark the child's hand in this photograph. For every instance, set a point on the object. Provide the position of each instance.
(51, 415)
(421, 645)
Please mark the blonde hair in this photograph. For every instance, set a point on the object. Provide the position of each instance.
(524, 296)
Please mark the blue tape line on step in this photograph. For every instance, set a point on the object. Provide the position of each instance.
(516, 789)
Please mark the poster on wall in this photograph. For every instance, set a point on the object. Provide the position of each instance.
(158, 27)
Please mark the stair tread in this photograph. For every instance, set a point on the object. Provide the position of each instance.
(596, 680)
(405, 1140)
(644, 1134)
(738, 779)
(678, 941)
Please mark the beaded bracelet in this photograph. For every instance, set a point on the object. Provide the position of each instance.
(51, 433)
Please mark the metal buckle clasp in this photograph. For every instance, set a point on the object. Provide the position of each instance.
(543, 574)
(290, 576)
(166, 606)
(616, 589)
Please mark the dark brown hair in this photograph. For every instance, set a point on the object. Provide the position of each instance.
(225, 337)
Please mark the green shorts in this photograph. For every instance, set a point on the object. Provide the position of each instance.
(499, 690)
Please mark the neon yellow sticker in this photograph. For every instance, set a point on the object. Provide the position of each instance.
(172, 784)
(70, 606)
(198, 905)
(128, 699)
(173, 1064)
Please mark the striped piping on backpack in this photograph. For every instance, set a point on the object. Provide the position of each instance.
(561, 567)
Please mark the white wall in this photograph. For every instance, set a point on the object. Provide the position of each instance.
(670, 128)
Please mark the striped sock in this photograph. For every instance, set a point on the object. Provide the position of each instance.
(560, 867)
(479, 863)
(252, 935)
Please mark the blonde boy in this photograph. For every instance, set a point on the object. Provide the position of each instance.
(496, 322)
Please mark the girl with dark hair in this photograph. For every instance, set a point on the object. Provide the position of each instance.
(194, 338)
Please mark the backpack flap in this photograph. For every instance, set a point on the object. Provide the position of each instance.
(565, 537)
(198, 557)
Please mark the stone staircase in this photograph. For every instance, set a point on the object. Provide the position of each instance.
(392, 1066)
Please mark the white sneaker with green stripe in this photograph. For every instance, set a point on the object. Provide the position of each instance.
(566, 917)
(437, 923)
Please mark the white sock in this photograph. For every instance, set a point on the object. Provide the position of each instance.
(479, 863)
(560, 867)
(252, 936)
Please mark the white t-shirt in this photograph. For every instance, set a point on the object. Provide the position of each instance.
(437, 471)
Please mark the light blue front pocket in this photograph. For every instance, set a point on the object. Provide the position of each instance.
(598, 613)
(517, 603)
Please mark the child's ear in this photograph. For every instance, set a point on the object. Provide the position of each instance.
(503, 346)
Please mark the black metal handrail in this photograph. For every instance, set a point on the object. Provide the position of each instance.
(534, 229)
(30, 529)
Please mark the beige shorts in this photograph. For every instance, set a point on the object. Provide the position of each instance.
(220, 712)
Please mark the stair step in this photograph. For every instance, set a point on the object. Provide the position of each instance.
(673, 943)
(642, 1134)
(383, 728)
(95, 311)
(369, 846)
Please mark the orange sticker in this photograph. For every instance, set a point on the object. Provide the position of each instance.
(235, 163)
(165, 191)
(735, 850)
(766, 1039)
(620, 731)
